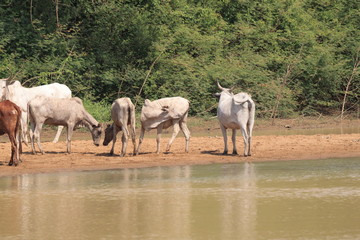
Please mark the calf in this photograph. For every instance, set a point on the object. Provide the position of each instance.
(122, 114)
(68, 112)
(10, 120)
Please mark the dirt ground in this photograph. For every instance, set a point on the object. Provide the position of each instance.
(205, 147)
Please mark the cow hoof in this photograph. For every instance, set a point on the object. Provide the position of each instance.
(234, 153)
(225, 153)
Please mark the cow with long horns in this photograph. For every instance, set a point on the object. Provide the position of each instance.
(236, 112)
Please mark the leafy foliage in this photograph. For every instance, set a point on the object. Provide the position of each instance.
(293, 56)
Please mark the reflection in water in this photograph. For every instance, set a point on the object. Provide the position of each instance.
(339, 129)
(279, 200)
(239, 209)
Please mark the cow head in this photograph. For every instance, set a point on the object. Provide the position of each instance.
(109, 134)
(8, 87)
(96, 134)
(227, 91)
(3, 83)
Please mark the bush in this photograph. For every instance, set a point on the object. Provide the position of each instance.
(99, 110)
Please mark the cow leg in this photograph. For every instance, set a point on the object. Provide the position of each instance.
(233, 138)
(32, 137)
(24, 127)
(142, 133)
(186, 133)
(158, 136)
(115, 132)
(175, 133)
(70, 130)
(13, 151)
(223, 130)
(37, 132)
(19, 147)
(250, 127)
(245, 136)
(58, 133)
(249, 144)
(19, 141)
(133, 137)
(124, 140)
(16, 153)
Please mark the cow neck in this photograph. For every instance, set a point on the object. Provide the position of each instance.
(8, 93)
(90, 119)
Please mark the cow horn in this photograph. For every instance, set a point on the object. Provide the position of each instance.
(220, 87)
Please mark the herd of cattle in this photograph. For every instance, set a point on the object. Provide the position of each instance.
(53, 104)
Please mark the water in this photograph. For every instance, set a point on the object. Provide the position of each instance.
(310, 131)
(316, 199)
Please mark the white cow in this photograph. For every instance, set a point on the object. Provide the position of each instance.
(67, 112)
(122, 114)
(236, 112)
(2, 87)
(21, 96)
(162, 114)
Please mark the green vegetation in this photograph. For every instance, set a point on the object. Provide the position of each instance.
(294, 56)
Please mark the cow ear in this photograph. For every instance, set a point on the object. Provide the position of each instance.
(217, 95)
(165, 108)
(147, 101)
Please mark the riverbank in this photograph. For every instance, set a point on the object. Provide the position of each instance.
(203, 150)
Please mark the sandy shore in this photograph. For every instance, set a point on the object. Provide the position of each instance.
(203, 150)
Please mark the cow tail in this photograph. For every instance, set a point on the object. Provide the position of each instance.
(131, 114)
(184, 118)
(18, 129)
(250, 124)
(28, 117)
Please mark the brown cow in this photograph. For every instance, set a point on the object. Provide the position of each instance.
(10, 120)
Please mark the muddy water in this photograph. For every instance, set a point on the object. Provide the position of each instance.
(278, 131)
(310, 131)
(317, 199)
